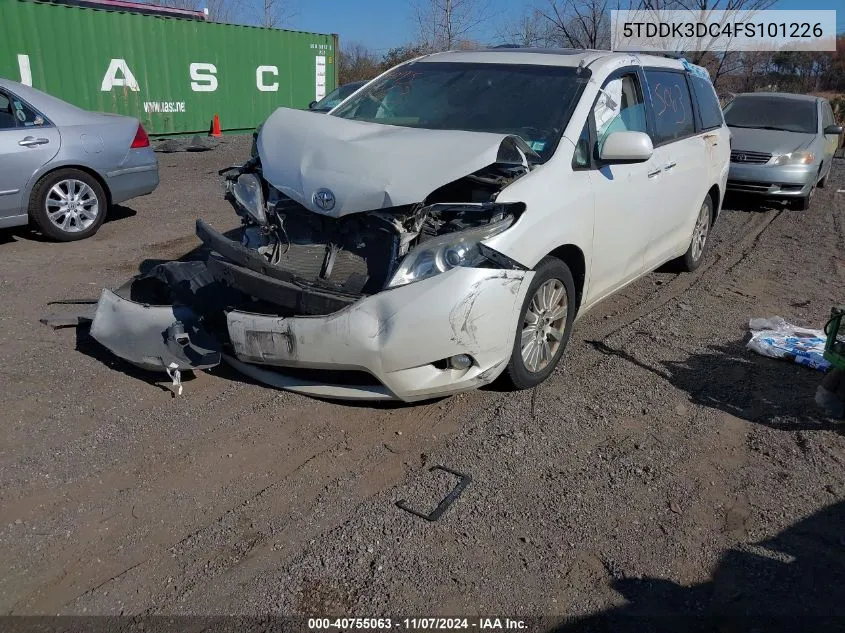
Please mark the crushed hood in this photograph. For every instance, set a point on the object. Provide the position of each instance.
(359, 166)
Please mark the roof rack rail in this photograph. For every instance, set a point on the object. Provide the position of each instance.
(659, 53)
(510, 46)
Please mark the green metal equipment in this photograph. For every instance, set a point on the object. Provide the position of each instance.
(172, 74)
(834, 349)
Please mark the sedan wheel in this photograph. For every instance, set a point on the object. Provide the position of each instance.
(68, 204)
(72, 205)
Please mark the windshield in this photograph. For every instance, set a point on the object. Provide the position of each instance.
(775, 113)
(534, 102)
(337, 95)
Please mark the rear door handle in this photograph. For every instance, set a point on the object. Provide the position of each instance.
(669, 166)
(30, 141)
(654, 173)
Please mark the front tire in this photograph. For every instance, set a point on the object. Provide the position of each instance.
(68, 205)
(544, 326)
(691, 260)
(823, 182)
(802, 203)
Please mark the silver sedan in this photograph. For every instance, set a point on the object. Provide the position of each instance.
(61, 166)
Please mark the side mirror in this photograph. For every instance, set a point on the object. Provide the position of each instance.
(833, 129)
(626, 147)
(311, 105)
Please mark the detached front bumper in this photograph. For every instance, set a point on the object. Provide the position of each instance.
(788, 181)
(390, 345)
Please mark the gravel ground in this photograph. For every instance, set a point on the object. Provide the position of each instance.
(663, 469)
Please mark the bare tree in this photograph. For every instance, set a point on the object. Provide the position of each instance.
(399, 54)
(355, 62)
(447, 24)
(277, 13)
(269, 13)
(218, 10)
(531, 28)
(707, 5)
(579, 23)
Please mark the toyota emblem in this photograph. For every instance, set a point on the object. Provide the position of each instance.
(324, 199)
(741, 158)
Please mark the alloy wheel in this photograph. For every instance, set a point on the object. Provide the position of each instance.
(700, 232)
(544, 325)
(72, 205)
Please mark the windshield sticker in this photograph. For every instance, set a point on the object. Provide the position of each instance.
(538, 146)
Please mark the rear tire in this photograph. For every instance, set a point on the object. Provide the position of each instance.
(691, 260)
(68, 205)
(544, 326)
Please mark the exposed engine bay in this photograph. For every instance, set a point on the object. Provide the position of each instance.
(360, 254)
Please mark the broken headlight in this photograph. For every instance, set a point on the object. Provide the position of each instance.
(445, 252)
(247, 191)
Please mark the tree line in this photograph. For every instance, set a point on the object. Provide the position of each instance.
(465, 24)
(459, 24)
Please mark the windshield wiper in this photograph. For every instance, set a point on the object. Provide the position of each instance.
(762, 127)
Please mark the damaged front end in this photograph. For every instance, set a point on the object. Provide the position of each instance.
(366, 304)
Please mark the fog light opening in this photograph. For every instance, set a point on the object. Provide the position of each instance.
(460, 361)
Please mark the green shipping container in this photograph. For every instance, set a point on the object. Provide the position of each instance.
(172, 74)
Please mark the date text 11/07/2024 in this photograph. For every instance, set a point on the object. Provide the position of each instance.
(416, 624)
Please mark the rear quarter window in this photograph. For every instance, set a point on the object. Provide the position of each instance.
(708, 103)
(26, 116)
(670, 100)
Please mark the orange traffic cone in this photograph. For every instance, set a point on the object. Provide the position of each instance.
(215, 126)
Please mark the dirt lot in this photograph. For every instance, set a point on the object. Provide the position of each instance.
(663, 469)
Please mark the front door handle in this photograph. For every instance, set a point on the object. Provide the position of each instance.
(31, 141)
(669, 166)
(654, 173)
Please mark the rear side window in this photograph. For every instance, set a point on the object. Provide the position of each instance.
(672, 106)
(7, 119)
(708, 104)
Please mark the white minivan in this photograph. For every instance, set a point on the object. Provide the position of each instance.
(443, 225)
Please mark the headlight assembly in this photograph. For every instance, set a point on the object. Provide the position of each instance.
(795, 158)
(445, 252)
(247, 191)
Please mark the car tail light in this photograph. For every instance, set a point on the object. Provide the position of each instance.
(141, 139)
